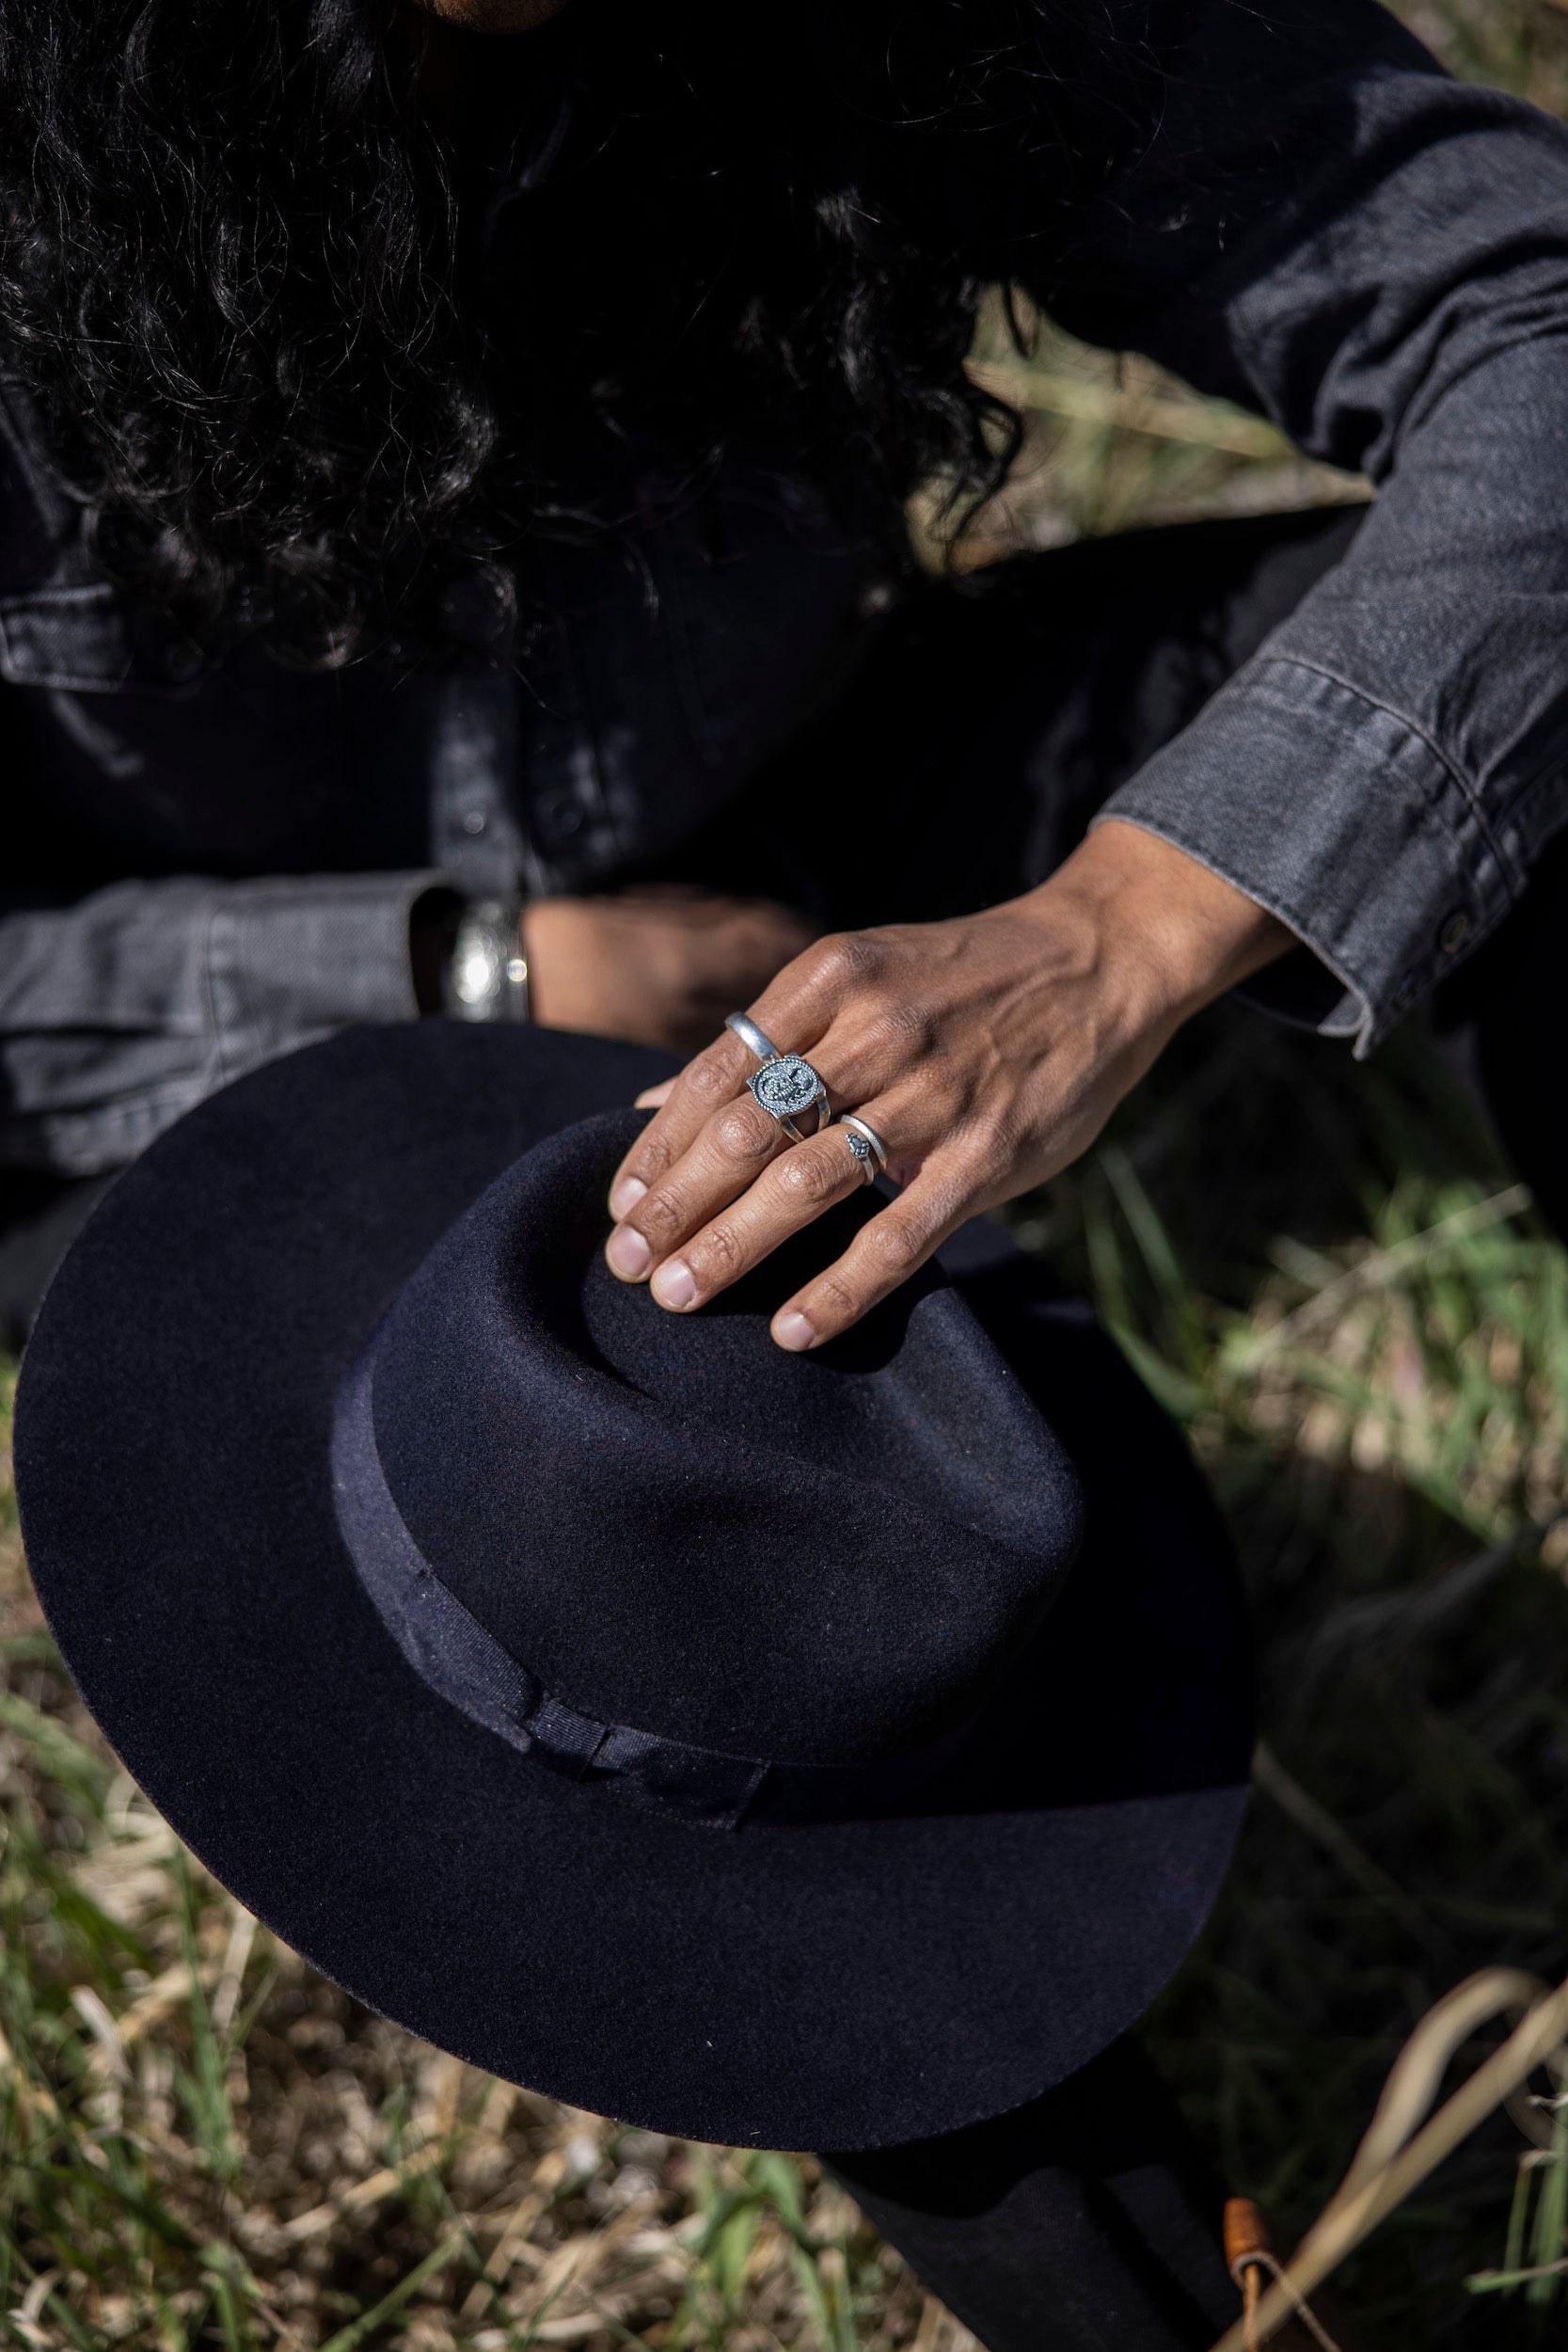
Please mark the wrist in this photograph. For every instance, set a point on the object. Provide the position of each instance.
(549, 934)
(1176, 933)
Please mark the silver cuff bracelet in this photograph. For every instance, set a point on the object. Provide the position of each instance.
(487, 975)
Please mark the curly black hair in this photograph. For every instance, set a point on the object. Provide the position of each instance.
(306, 341)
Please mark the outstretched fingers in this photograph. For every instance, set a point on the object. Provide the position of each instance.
(683, 1106)
(883, 1254)
(796, 1010)
(683, 1187)
(794, 1188)
(712, 1186)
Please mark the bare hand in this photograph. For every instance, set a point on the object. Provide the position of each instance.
(656, 966)
(987, 1053)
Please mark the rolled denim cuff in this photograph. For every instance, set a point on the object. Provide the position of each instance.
(290, 959)
(120, 1011)
(1343, 819)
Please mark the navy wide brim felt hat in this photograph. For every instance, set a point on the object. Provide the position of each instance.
(807, 1752)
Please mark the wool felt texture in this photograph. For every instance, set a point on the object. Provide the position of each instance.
(448, 1648)
(846, 1984)
(808, 1559)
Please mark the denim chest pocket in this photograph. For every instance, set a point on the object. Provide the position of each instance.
(88, 640)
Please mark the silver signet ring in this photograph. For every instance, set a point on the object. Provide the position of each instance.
(755, 1039)
(787, 1087)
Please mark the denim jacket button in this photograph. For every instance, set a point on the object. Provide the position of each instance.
(182, 663)
(1455, 931)
(561, 816)
(478, 608)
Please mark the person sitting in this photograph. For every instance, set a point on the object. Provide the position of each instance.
(454, 556)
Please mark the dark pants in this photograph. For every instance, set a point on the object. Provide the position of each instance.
(1087, 2221)
(987, 727)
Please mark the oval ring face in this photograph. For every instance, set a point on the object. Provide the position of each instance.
(785, 1086)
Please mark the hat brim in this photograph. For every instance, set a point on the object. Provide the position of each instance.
(841, 1986)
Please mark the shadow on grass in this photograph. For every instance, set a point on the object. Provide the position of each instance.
(1332, 1277)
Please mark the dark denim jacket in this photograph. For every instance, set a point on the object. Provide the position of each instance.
(1326, 228)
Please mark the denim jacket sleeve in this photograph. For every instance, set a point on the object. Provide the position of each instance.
(1332, 231)
(121, 1012)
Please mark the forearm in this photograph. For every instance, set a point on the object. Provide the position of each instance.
(1376, 257)
(119, 1012)
(1384, 771)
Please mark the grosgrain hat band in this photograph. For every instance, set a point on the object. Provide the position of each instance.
(455, 1657)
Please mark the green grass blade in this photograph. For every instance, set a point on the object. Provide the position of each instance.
(366, 2325)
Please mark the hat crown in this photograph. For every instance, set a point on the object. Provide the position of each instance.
(679, 1528)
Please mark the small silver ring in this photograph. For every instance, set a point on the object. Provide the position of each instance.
(866, 1145)
(786, 1087)
(756, 1040)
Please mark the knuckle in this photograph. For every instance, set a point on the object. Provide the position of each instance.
(836, 1299)
(991, 1141)
(709, 1078)
(895, 1243)
(650, 1160)
(658, 1217)
(808, 1179)
(896, 1030)
(880, 1035)
(742, 1131)
(848, 957)
(826, 962)
(919, 1030)
(719, 1255)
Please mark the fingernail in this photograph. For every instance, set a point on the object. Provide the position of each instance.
(793, 1331)
(627, 1254)
(627, 1194)
(675, 1284)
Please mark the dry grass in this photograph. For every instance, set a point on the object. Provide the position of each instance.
(205, 2143)
(1365, 1333)
(1113, 442)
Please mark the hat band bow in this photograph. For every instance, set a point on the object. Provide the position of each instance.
(454, 1656)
